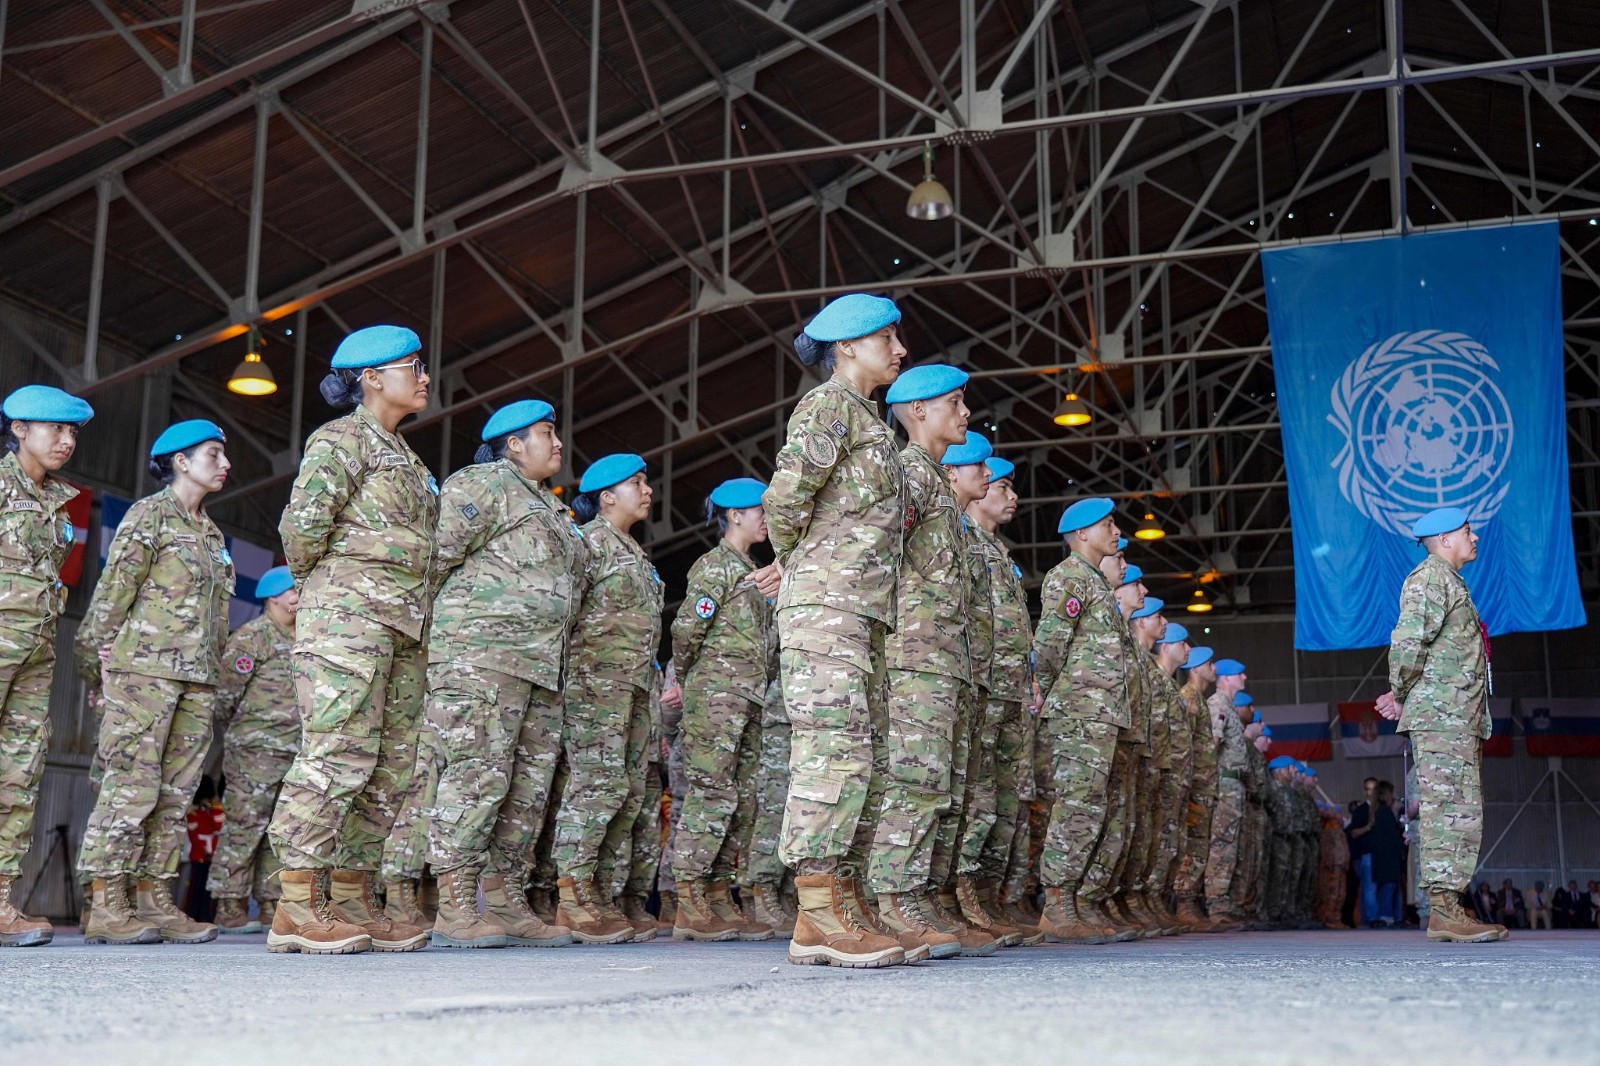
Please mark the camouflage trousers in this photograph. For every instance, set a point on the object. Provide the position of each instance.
(1081, 756)
(1006, 719)
(1227, 821)
(677, 788)
(1330, 893)
(1450, 819)
(1101, 878)
(981, 807)
(1199, 805)
(1248, 866)
(497, 738)
(834, 681)
(1167, 848)
(1303, 899)
(1143, 827)
(951, 833)
(721, 743)
(405, 853)
(925, 711)
(651, 831)
(359, 685)
(605, 735)
(542, 873)
(243, 865)
(26, 667)
(1280, 862)
(153, 744)
(1019, 872)
(761, 864)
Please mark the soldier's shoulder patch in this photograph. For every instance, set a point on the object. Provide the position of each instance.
(244, 664)
(1072, 607)
(821, 449)
(839, 429)
(352, 464)
(705, 607)
(1016, 571)
(185, 538)
(433, 484)
(911, 516)
(471, 510)
(27, 505)
(392, 460)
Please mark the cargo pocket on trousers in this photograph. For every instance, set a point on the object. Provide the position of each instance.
(816, 788)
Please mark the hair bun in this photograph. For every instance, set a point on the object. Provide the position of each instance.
(334, 390)
(808, 349)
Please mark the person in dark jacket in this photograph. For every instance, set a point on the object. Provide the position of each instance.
(1387, 848)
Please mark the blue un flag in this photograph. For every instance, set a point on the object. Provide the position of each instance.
(1420, 372)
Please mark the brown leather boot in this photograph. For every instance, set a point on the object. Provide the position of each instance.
(427, 899)
(1155, 909)
(266, 911)
(113, 918)
(899, 911)
(1062, 924)
(155, 905)
(865, 912)
(1100, 912)
(233, 916)
(723, 907)
(83, 911)
(306, 922)
(1028, 934)
(632, 907)
(400, 904)
(1125, 905)
(17, 930)
(669, 910)
(542, 901)
(969, 900)
(581, 915)
(351, 894)
(507, 903)
(827, 934)
(941, 906)
(696, 918)
(764, 903)
(1448, 922)
(458, 923)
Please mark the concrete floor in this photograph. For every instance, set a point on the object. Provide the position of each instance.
(1361, 998)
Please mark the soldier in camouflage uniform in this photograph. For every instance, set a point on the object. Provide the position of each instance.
(677, 787)
(1281, 817)
(41, 432)
(158, 622)
(1247, 888)
(720, 642)
(1104, 882)
(1228, 815)
(763, 878)
(612, 678)
(1079, 656)
(836, 516)
(1171, 652)
(1201, 802)
(1140, 878)
(256, 710)
(1304, 895)
(1439, 691)
(358, 534)
(634, 883)
(508, 567)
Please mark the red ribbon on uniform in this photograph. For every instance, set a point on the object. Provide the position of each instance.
(1488, 658)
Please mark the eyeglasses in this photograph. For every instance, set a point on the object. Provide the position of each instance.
(418, 368)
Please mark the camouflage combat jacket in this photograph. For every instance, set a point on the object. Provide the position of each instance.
(162, 600)
(1255, 771)
(836, 510)
(1137, 732)
(930, 621)
(256, 705)
(1180, 731)
(358, 531)
(980, 610)
(1010, 667)
(35, 537)
(1438, 655)
(1078, 649)
(722, 635)
(1232, 749)
(1280, 806)
(619, 621)
(1160, 696)
(508, 565)
(1203, 753)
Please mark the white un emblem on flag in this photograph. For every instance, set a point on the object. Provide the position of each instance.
(1425, 426)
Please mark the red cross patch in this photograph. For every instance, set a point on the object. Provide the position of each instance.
(244, 664)
(911, 515)
(705, 607)
(1073, 607)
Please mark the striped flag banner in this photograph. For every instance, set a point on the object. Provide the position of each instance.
(1500, 715)
(1561, 726)
(1366, 733)
(1299, 730)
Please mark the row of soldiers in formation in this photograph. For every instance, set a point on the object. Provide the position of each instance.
(434, 660)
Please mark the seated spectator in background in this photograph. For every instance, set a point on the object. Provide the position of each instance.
(1513, 911)
(1539, 907)
(1592, 915)
(1561, 909)
(1361, 892)
(1485, 904)
(1387, 847)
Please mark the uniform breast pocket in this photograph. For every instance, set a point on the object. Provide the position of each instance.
(18, 532)
(393, 494)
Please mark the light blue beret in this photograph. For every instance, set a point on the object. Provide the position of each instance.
(738, 493)
(1000, 468)
(1266, 731)
(1197, 657)
(1229, 667)
(1122, 544)
(181, 435)
(1152, 605)
(274, 582)
(1442, 520)
(1083, 514)
(610, 470)
(1177, 633)
(925, 382)
(374, 346)
(1132, 573)
(1307, 770)
(45, 403)
(852, 316)
(1240, 699)
(976, 449)
(515, 416)
(1282, 762)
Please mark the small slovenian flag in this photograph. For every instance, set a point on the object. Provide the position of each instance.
(1299, 730)
(1561, 726)
(1367, 734)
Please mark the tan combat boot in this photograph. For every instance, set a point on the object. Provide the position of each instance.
(697, 919)
(266, 911)
(763, 902)
(113, 918)
(305, 921)
(942, 909)
(233, 916)
(83, 912)
(669, 911)
(400, 904)
(866, 914)
(1028, 934)
(354, 900)
(580, 913)
(827, 934)
(1126, 905)
(155, 905)
(17, 930)
(458, 923)
(427, 899)
(631, 904)
(1099, 911)
(900, 913)
(1155, 909)
(1061, 923)
(507, 903)
(723, 906)
(973, 911)
(1447, 921)
(543, 903)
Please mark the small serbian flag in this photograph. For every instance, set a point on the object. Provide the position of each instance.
(1299, 730)
(1499, 742)
(78, 513)
(1367, 734)
(1561, 726)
